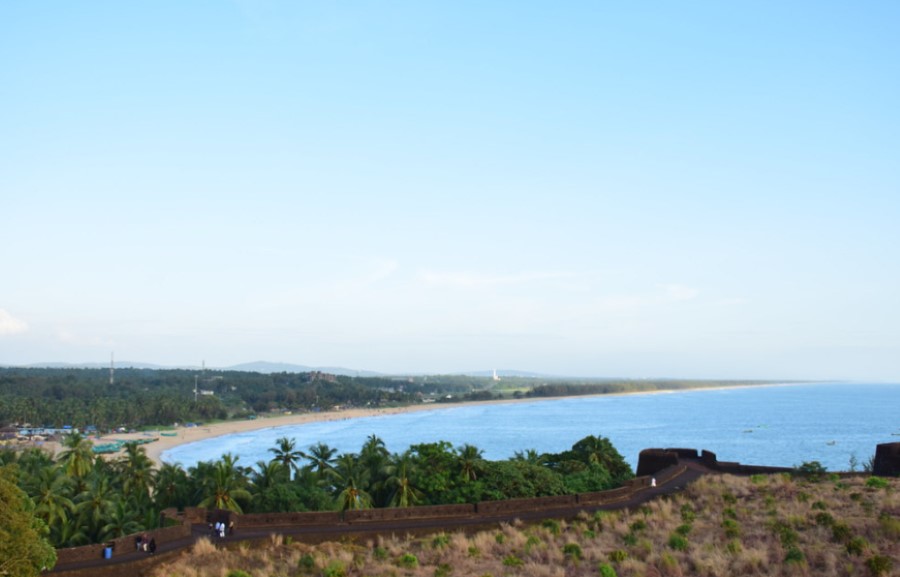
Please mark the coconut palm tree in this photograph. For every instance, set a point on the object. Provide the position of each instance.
(121, 521)
(136, 472)
(321, 458)
(226, 486)
(171, 487)
(470, 461)
(267, 475)
(50, 490)
(287, 455)
(402, 492)
(78, 458)
(94, 504)
(351, 481)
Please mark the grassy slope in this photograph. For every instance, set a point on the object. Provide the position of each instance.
(721, 525)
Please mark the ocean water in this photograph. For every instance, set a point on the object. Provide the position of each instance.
(770, 425)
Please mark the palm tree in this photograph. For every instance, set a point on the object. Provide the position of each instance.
(374, 457)
(94, 504)
(170, 488)
(321, 458)
(136, 472)
(120, 522)
(50, 492)
(286, 454)
(529, 456)
(78, 458)
(469, 461)
(402, 491)
(268, 475)
(226, 486)
(351, 479)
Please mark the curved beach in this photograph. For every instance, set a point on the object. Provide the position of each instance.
(192, 434)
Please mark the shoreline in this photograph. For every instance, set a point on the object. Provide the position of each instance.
(185, 435)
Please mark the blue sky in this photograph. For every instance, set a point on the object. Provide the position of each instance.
(692, 189)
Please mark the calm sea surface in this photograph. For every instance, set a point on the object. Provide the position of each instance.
(771, 425)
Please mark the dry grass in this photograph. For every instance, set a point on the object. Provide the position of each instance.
(720, 526)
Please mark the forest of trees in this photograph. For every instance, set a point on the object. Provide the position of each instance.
(80, 498)
(139, 398)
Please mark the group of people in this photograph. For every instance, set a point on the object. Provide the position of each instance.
(141, 543)
(218, 530)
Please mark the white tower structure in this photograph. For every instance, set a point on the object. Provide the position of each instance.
(112, 368)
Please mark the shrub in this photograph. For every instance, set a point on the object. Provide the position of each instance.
(729, 498)
(589, 534)
(758, 479)
(408, 561)
(794, 555)
(668, 564)
(551, 525)
(512, 561)
(307, 562)
(812, 470)
(638, 525)
(824, 519)
(730, 513)
(500, 538)
(335, 569)
(876, 483)
(840, 532)
(857, 546)
(819, 505)
(443, 570)
(572, 551)
(237, 573)
(440, 541)
(617, 556)
(606, 570)
(630, 539)
(890, 526)
(687, 513)
(474, 551)
(684, 529)
(734, 547)
(380, 553)
(879, 565)
(785, 533)
(732, 529)
(677, 542)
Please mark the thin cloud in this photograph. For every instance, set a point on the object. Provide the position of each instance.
(10, 325)
(474, 280)
(678, 293)
(71, 338)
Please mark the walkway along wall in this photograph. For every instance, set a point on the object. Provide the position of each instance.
(663, 465)
(121, 545)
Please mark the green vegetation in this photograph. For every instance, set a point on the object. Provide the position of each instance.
(24, 551)
(83, 498)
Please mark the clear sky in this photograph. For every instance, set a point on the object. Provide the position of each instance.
(641, 189)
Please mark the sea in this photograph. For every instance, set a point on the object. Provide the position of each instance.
(837, 424)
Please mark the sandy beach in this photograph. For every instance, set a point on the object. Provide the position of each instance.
(192, 434)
